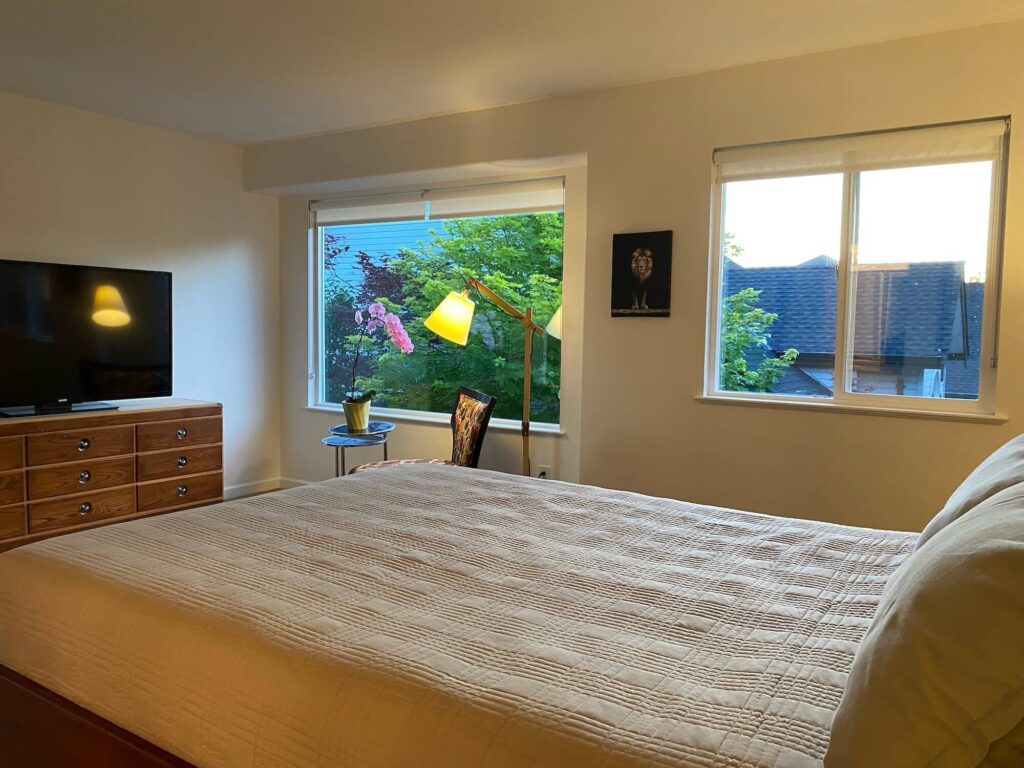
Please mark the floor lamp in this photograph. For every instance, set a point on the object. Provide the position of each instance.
(451, 321)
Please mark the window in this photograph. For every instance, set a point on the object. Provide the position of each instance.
(408, 252)
(860, 270)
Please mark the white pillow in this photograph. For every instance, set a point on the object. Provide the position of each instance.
(939, 678)
(1002, 469)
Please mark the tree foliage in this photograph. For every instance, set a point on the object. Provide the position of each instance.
(744, 334)
(518, 256)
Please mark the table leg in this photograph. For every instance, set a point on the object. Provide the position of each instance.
(385, 449)
(343, 462)
(337, 454)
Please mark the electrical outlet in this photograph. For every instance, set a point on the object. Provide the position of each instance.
(543, 472)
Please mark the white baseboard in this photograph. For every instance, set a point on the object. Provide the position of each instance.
(248, 489)
(262, 486)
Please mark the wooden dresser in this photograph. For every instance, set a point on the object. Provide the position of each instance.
(74, 471)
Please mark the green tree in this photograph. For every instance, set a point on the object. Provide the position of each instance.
(745, 329)
(745, 335)
(519, 256)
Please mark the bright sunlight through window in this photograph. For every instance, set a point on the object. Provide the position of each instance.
(858, 270)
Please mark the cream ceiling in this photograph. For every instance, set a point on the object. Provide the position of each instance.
(254, 70)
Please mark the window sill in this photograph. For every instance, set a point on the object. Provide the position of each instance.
(866, 410)
(425, 417)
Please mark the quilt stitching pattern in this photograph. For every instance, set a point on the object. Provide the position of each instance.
(457, 618)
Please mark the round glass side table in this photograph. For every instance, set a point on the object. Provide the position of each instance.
(376, 433)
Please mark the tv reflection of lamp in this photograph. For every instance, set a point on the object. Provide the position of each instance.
(108, 308)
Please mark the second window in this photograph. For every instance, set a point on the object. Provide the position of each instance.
(860, 269)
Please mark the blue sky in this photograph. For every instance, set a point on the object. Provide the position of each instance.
(927, 213)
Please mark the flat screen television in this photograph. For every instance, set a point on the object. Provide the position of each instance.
(73, 336)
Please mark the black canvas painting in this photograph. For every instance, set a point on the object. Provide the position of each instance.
(642, 274)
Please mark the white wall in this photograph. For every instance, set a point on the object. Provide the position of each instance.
(80, 188)
(648, 151)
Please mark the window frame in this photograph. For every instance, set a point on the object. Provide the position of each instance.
(316, 400)
(842, 399)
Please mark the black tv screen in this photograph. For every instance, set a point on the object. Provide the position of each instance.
(72, 334)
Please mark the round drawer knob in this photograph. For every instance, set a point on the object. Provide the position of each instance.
(84, 508)
(182, 489)
(84, 476)
(83, 444)
(182, 433)
(182, 461)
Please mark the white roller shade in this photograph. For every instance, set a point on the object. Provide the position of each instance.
(496, 199)
(478, 200)
(958, 142)
(360, 210)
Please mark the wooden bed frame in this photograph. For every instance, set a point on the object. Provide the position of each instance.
(39, 729)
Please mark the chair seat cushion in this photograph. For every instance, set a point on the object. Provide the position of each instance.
(395, 463)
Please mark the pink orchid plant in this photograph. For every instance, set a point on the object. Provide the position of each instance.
(377, 317)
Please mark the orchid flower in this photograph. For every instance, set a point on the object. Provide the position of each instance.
(379, 317)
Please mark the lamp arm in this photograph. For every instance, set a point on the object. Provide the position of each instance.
(503, 305)
(526, 318)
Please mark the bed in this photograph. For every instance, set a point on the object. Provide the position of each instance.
(439, 616)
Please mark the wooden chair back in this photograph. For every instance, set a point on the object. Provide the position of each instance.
(470, 417)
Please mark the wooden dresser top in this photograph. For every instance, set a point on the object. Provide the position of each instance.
(135, 412)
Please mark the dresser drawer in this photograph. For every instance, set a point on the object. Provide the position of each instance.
(12, 521)
(178, 434)
(12, 489)
(82, 444)
(180, 491)
(80, 476)
(83, 508)
(187, 461)
(11, 453)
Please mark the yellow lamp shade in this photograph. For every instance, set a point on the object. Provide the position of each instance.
(554, 326)
(452, 318)
(108, 308)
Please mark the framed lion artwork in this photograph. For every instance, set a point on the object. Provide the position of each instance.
(642, 274)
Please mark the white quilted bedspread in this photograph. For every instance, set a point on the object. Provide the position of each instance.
(442, 617)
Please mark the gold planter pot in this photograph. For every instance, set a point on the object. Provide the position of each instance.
(357, 416)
